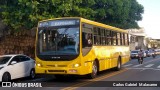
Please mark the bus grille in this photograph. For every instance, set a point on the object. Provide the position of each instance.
(62, 71)
(57, 65)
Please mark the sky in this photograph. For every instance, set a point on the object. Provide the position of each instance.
(151, 18)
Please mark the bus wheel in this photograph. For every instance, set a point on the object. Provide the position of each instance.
(118, 65)
(94, 70)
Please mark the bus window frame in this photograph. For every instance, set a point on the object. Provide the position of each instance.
(87, 49)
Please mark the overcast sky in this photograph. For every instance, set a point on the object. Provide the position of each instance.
(151, 17)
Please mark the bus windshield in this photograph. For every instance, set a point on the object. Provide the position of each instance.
(62, 40)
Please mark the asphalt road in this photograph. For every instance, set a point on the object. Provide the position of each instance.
(131, 77)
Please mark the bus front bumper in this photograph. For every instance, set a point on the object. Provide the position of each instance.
(64, 71)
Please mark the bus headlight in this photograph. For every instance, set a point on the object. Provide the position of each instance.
(39, 64)
(76, 65)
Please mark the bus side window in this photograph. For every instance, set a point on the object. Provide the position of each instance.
(90, 40)
(86, 40)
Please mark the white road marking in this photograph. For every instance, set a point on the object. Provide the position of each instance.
(145, 69)
(158, 66)
(151, 60)
(149, 65)
(127, 65)
(137, 65)
(142, 70)
(157, 69)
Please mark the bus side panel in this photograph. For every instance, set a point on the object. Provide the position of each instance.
(108, 56)
(126, 55)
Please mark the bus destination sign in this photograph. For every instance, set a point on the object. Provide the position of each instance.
(58, 23)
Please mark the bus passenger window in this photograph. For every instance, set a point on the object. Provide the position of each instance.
(86, 40)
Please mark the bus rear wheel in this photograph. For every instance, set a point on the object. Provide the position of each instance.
(119, 66)
(94, 72)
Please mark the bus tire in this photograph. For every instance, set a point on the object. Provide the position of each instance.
(94, 72)
(119, 64)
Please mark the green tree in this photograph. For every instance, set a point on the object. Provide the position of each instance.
(20, 14)
(119, 13)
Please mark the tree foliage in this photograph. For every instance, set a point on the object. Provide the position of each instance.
(20, 14)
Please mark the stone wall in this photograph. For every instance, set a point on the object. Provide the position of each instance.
(18, 43)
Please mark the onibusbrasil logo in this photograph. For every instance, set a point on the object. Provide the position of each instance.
(14, 84)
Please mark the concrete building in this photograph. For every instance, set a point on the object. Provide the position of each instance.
(137, 39)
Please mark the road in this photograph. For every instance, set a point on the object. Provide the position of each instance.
(131, 74)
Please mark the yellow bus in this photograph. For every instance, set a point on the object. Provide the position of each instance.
(77, 46)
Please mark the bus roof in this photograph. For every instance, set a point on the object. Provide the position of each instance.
(103, 25)
(92, 22)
